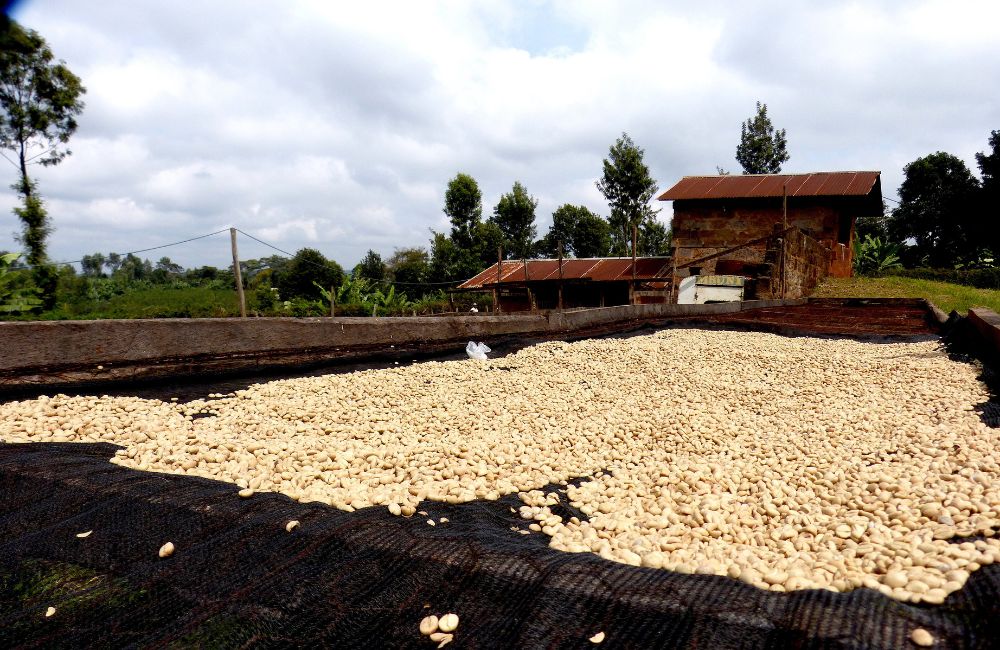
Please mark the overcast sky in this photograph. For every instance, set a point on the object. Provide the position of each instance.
(337, 125)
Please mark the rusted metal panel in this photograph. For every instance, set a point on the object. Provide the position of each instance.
(609, 269)
(772, 185)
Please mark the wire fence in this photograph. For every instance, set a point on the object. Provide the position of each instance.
(245, 234)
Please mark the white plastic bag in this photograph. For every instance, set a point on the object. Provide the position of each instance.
(477, 351)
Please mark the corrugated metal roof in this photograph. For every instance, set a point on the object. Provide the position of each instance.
(770, 185)
(601, 269)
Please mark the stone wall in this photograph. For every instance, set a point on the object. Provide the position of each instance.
(72, 352)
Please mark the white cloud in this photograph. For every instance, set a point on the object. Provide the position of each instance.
(337, 126)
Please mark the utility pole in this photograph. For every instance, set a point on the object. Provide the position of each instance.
(239, 276)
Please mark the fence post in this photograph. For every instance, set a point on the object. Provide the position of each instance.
(238, 274)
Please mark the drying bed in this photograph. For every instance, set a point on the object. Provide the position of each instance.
(723, 463)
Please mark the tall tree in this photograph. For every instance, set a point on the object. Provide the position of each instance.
(935, 207)
(371, 267)
(988, 208)
(515, 216)
(761, 150)
(463, 203)
(628, 187)
(39, 102)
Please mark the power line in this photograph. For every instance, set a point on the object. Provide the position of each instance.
(415, 284)
(141, 250)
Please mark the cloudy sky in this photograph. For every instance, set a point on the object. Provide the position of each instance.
(337, 125)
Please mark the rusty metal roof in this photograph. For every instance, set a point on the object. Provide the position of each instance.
(596, 269)
(771, 185)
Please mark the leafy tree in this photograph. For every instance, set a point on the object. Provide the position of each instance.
(134, 268)
(113, 262)
(371, 267)
(583, 233)
(463, 203)
(14, 297)
(628, 187)
(875, 225)
(761, 150)
(591, 236)
(307, 266)
(93, 265)
(936, 211)
(514, 215)
(564, 221)
(410, 266)
(166, 265)
(489, 238)
(39, 102)
(654, 238)
(989, 196)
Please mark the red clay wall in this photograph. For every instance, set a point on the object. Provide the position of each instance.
(704, 227)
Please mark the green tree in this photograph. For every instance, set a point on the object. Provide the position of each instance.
(628, 187)
(410, 267)
(39, 102)
(371, 267)
(564, 220)
(591, 236)
(448, 261)
(654, 239)
(583, 233)
(463, 203)
(761, 150)
(93, 265)
(307, 266)
(514, 215)
(936, 211)
(988, 208)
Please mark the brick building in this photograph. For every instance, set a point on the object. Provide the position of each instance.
(715, 213)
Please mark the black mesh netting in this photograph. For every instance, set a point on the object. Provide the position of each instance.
(365, 579)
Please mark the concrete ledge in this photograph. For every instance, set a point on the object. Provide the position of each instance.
(987, 323)
(73, 352)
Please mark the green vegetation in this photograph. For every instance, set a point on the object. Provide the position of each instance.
(875, 256)
(74, 590)
(761, 150)
(945, 295)
(39, 103)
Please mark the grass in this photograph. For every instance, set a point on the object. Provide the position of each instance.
(943, 294)
(154, 302)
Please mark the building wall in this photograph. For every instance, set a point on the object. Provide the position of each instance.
(705, 227)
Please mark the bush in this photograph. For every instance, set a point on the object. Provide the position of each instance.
(875, 256)
(988, 278)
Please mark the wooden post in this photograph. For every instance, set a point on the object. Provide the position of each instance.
(238, 274)
(673, 279)
(496, 291)
(531, 304)
(631, 284)
(333, 301)
(559, 244)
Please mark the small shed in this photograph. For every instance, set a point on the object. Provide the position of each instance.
(528, 285)
(716, 213)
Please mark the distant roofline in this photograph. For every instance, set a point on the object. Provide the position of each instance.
(845, 171)
(709, 187)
